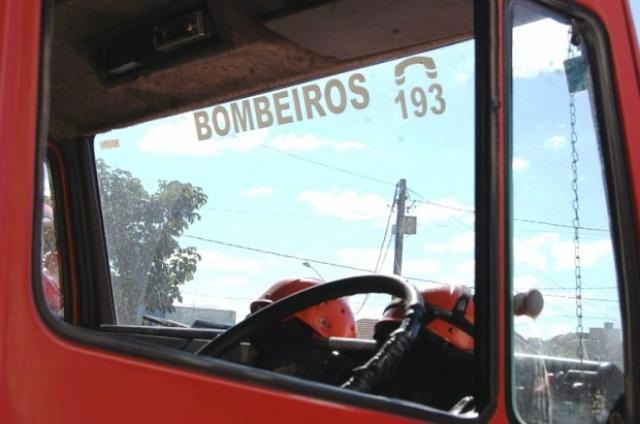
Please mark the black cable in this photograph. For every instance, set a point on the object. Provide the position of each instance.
(270, 252)
(424, 199)
(299, 258)
(325, 165)
(386, 230)
(384, 238)
(529, 221)
(387, 249)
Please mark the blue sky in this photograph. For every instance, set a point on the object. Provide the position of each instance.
(321, 189)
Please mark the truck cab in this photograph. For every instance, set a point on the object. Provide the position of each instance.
(319, 211)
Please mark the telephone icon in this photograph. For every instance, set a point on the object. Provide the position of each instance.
(427, 62)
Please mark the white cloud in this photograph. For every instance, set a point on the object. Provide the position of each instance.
(590, 253)
(533, 251)
(466, 269)
(348, 145)
(436, 247)
(469, 220)
(461, 243)
(523, 283)
(200, 297)
(423, 268)
(462, 77)
(220, 286)
(257, 191)
(560, 328)
(539, 47)
(346, 204)
(353, 206)
(366, 258)
(441, 210)
(177, 136)
(519, 164)
(555, 142)
(216, 261)
(289, 142)
(541, 251)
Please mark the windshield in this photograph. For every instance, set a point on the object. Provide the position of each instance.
(205, 210)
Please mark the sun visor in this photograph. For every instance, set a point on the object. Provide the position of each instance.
(354, 28)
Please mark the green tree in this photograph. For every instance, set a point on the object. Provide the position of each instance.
(147, 263)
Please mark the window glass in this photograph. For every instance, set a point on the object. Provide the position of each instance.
(206, 210)
(635, 16)
(203, 212)
(50, 258)
(568, 356)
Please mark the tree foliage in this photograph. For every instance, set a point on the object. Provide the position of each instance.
(147, 263)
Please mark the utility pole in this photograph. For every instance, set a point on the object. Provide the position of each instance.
(397, 257)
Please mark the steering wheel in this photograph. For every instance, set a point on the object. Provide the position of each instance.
(381, 365)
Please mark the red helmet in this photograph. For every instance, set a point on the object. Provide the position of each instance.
(51, 290)
(457, 300)
(328, 319)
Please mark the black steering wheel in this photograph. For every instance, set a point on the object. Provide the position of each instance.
(381, 365)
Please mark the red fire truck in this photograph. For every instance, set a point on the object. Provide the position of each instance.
(319, 211)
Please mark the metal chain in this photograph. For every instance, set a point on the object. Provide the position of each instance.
(576, 212)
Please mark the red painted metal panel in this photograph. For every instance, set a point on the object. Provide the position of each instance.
(616, 16)
(48, 379)
(19, 52)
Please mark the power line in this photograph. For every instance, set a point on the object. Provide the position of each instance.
(455, 218)
(589, 299)
(337, 218)
(247, 299)
(584, 288)
(440, 205)
(424, 200)
(384, 238)
(386, 250)
(386, 230)
(538, 231)
(529, 221)
(316, 217)
(286, 214)
(592, 317)
(553, 224)
(325, 165)
(215, 296)
(270, 252)
(300, 258)
(557, 284)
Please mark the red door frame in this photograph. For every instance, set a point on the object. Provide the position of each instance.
(46, 378)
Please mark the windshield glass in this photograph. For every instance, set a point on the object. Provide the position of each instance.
(205, 210)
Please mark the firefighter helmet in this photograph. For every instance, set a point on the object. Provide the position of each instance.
(328, 319)
(456, 301)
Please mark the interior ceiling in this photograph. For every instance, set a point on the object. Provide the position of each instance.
(255, 54)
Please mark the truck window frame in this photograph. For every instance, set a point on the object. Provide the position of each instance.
(618, 190)
(487, 195)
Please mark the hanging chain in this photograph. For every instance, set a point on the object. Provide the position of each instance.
(576, 211)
